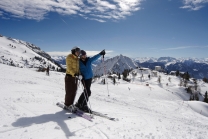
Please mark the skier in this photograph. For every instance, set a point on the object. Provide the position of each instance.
(85, 64)
(72, 72)
(149, 76)
(47, 71)
(114, 80)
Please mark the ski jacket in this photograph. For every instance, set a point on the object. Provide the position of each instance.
(86, 66)
(72, 65)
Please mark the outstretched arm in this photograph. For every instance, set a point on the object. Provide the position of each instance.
(94, 58)
(97, 56)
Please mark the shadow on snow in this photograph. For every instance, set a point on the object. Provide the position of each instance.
(58, 117)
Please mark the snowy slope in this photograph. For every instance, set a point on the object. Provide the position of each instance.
(116, 64)
(28, 110)
(23, 54)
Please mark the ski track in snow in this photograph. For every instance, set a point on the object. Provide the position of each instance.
(28, 109)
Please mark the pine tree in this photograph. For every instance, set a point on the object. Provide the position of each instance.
(205, 80)
(186, 76)
(169, 79)
(206, 98)
(197, 97)
(159, 79)
(114, 81)
(190, 98)
(125, 74)
(195, 84)
(185, 83)
(177, 73)
(119, 76)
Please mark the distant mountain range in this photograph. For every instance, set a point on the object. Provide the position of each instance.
(169, 60)
(197, 68)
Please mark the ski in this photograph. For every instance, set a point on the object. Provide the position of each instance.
(102, 115)
(97, 114)
(76, 112)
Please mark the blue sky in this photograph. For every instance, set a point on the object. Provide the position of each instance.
(135, 28)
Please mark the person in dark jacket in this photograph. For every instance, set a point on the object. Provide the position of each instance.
(47, 71)
(85, 67)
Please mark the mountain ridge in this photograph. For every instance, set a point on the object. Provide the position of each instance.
(22, 54)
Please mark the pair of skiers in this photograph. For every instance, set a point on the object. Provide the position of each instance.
(79, 69)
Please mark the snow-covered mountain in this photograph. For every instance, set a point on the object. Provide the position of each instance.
(116, 64)
(145, 59)
(167, 60)
(198, 68)
(22, 54)
(60, 59)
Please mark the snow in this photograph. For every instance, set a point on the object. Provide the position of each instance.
(22, 54)
(28, 108)
(199, 107)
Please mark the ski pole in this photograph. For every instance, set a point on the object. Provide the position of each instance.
(104, 72)
(73, 108)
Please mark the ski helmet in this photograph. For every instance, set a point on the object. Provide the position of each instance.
(75, 49)
(82, 53)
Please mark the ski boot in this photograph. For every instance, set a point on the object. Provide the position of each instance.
(85, 108)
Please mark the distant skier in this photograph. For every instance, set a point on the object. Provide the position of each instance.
(149, 76)
(47, 71)
(72, 71)
(114, 80)
(85, 64)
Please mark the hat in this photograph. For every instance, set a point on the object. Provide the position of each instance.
(82, 53)
(75, 49)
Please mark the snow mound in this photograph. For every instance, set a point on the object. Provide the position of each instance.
(199, 107)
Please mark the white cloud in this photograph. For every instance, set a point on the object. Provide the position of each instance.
(89, 9)
(99, 20)
(185, 47)
(194, 4)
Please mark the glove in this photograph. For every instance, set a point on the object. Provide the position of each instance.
(80, 77)
(75, 75)
(102, 52)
